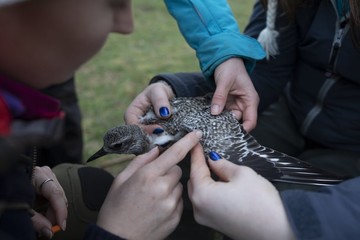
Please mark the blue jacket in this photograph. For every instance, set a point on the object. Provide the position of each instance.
(210, 28)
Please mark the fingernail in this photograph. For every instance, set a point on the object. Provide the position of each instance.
(214, 156)
(45, 232)
(215, 109)
(63, 225)
(158, 131)
(164, 111)
(198, 133)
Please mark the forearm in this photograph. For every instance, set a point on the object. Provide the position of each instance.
(211, 30)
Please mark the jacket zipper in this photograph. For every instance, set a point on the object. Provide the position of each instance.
(35, 158)
(330, 75)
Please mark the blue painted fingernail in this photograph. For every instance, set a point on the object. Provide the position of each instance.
(214, 156)
(158, 131)
(164, 111)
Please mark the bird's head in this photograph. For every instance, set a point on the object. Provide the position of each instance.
(124, 139)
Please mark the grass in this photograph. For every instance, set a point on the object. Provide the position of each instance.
(108, 83)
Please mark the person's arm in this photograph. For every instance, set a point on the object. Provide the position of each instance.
(144, 201)
(244, 205)
(271, 76)
(211, 30)
(330, 213)
(241, 204)
(225, 55)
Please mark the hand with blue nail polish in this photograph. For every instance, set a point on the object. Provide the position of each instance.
(241, 204)
(157, 95)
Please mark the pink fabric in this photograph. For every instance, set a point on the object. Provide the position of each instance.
(36, 104)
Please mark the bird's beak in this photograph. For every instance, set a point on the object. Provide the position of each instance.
(98, 154)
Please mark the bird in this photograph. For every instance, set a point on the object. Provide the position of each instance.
(222, 133)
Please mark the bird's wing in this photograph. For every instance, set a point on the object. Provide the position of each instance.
(277, 166)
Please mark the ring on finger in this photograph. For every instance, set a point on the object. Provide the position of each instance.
(44, 182)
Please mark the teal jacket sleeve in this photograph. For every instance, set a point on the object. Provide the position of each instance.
(210, 28)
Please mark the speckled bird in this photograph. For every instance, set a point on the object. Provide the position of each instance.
(221, 133)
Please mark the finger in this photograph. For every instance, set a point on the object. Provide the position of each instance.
(149, 129)
(175, 153)
(224, 169)
(249, 115)
(177, 193)
(219, 98)
(136, 109)
(199, 171)
(174, 218)
(136, 164)
(42, 225)
(172, 177)
(160, 99)
(55, 194)
(249, 119)
(237, 114)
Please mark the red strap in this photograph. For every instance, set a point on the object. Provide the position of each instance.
(5, 118)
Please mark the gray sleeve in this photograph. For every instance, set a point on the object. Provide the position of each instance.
(330, 213)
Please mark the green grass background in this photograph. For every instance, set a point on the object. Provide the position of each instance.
(108, 82)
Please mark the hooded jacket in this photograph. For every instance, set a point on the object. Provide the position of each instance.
(319, 66)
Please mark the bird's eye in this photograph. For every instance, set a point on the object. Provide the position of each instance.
(116, 145)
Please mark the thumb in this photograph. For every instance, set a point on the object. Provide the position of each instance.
(222, 168)
(42, 225)
(219, 99)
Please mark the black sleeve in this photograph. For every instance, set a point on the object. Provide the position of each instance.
(94, 232)
(330, 213)
(186, 84)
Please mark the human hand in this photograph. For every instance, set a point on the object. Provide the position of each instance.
(144, 201)
(157, 95)
(242, 204)
(236, 92)
(49, 190)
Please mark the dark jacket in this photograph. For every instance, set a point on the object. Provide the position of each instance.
(29, 120)
(319, 64)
